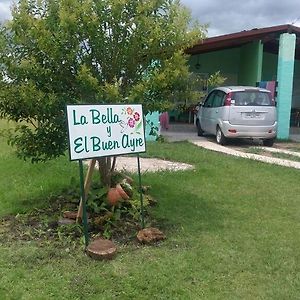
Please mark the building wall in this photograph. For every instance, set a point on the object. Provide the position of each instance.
(244, 66)
(226, 61)
(251, 56)
(241, 66)
(269, 67)
(296, 86)
(269, 72)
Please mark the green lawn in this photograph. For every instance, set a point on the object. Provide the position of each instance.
(232, 229)
(24, 185)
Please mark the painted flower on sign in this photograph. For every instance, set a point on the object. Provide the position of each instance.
(136, 116)
(131, 122)
(129, 110)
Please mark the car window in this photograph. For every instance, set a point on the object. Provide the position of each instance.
(209, 100)
(218, 99)
(253, 98)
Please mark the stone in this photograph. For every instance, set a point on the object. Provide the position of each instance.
(101, 249)
(150, 235)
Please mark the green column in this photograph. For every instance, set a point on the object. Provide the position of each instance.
(285, 75)
(250, 63)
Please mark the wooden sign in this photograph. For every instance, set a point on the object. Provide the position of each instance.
(105, 130)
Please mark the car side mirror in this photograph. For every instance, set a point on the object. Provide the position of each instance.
(198, 106)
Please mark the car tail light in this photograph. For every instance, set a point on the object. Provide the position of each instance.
(228, 100)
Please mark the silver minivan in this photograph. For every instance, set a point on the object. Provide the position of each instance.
(238, 112)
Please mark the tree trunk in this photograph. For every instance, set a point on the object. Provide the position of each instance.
(106, 168)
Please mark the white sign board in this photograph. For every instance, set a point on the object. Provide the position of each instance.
(105, 130)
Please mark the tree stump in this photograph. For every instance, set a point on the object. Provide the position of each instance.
(101, 249)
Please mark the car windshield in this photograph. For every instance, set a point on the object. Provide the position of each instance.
(252, 98)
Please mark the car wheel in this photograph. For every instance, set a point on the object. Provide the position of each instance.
(268, 142)
(199, 129)
(220, 138)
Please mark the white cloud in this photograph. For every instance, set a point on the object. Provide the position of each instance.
(5, 10)
(227, 16)
(235, 15)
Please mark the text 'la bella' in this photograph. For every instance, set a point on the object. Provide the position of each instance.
(95, 117)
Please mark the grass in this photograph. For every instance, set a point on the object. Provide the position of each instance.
(286, 156)
(232, 229)
(281, 155)
(24, 185)
(295, 149)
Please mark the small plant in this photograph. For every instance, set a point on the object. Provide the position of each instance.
(109, 218)
(160, 139)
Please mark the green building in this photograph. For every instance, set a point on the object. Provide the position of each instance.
(248, 57)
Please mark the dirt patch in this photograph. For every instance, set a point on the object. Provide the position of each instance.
(120, 223)
(150, 165)
(129, 164)
(48, 225)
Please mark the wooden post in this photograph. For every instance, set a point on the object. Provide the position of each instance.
(83, 200)
(87, 185)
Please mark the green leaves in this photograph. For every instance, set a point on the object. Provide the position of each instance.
(89, 51)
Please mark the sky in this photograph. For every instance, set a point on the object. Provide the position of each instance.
(228, 16)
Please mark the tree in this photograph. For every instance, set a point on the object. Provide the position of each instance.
(55, 52)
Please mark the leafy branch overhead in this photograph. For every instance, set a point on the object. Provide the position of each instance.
(88, 51)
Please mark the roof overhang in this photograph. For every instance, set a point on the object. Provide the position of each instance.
(269, 37)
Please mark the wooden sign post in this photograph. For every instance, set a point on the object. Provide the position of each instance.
(104, 130)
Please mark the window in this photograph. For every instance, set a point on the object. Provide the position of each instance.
(209, 100)
(252, 98)
(219, 99)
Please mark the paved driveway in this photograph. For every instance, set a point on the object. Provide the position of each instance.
(188, 133)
